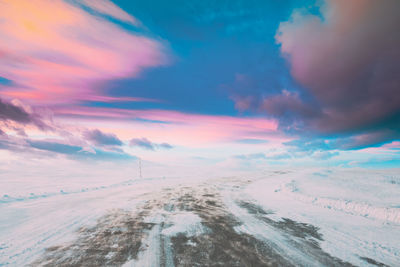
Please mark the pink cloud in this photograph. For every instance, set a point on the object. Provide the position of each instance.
(174, 127)
(101, 98)
(60, 53)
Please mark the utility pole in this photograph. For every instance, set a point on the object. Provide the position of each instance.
(140, 168)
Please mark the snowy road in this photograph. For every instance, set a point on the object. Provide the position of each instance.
(228, 221)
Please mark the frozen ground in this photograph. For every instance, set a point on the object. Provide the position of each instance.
(337, 217)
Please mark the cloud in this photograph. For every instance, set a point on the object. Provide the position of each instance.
(180, 127)
(289, 108)
(251, 141)
(9, 111)
(60, 52)
(18, 113)
(147, 144)
(102, 139)
(370, 139)
(54, 147)
(109, 8)
(165, 146)
(348, 58)
(251, 156)
(324, 155)
(111, 99)
(142, 142)
(77, 152)
(316, 148)
(263, 156)
(63, 139)
(59, 147)
(309, 145)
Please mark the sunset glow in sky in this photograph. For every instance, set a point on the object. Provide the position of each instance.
(231, 84)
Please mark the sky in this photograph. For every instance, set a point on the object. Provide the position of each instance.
(238, 84)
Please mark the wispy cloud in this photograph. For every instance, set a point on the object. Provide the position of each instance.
(73, 148)
(109, 8)
(252, 141)
(147, 144)
(60, 52)
(77, 152)
(111, 99)
(179, 127)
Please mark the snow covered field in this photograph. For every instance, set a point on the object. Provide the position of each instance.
(357, 211)
(313, 217)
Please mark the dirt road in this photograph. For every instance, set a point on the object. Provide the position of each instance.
(208, 224)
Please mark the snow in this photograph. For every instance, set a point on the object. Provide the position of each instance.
(149, 254)
(344, 204)
(184, 222)
(179, 223)
(356, 210)
(266, 233)
(29, 225)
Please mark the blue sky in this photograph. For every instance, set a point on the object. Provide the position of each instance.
(211, 43)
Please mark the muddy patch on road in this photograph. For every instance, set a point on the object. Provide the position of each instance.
(222, 245)
(115, 238)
